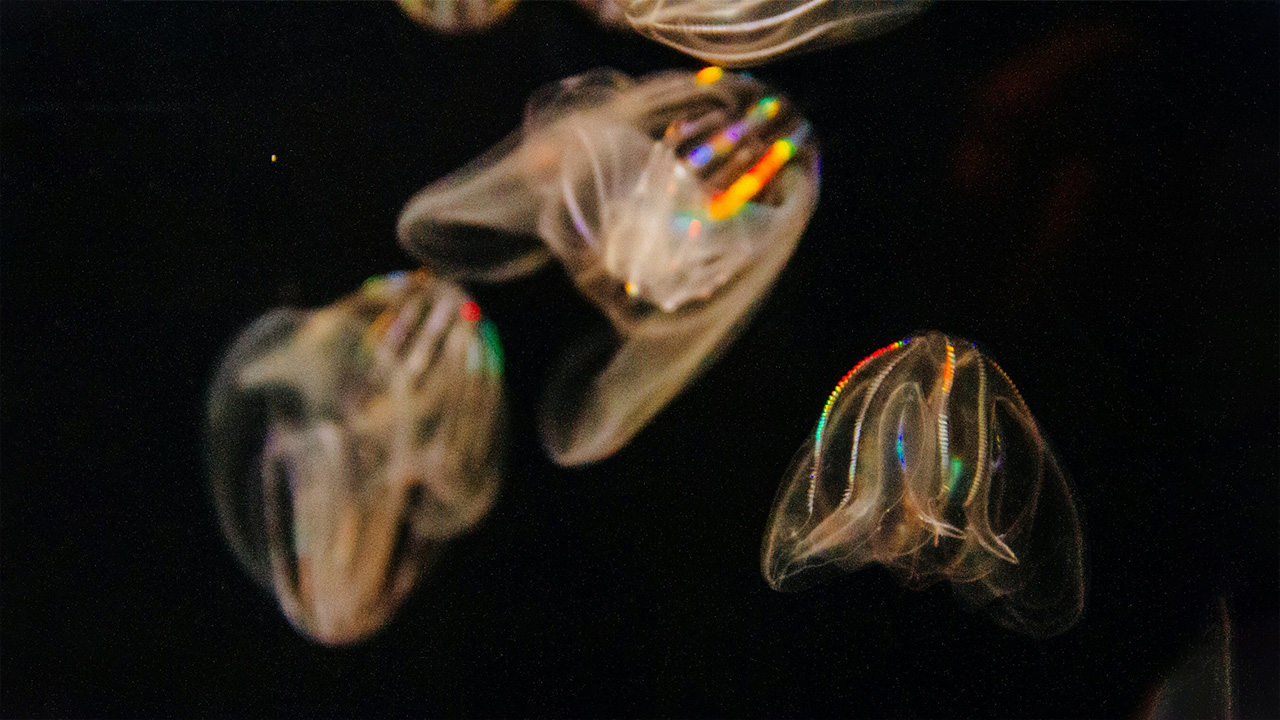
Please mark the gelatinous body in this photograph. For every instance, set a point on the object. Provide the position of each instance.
(610, 13)
(739, 33)
(926, 459)
(347, 443)
(673, 202)
(458, 16)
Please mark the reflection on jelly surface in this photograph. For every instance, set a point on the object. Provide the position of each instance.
(347, 443)
(926, 459)
(457, 15)
(739, 33)
(673, 202)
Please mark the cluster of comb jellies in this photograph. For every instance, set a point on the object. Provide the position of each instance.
(730, 33)
(927, 460)
(346, 444)
(673, 202)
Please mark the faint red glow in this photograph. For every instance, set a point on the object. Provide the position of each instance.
(1022, 91)
(1029, 79)
(470, 311)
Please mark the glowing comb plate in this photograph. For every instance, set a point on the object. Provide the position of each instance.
(673, 202)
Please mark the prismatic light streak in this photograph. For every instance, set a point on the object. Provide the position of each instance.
(826, 413)
(944, 451)
(857, 428)
(493, 348)
(709, 75)
(724, 141)
(831, 400)
(729, 202)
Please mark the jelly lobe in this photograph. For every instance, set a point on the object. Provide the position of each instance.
(738, 33)
(927, 460)
(347, 443)
(673, 202)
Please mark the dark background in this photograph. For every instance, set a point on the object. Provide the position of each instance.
(1090, 191)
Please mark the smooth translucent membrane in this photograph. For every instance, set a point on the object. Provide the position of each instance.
(741, 33)
(673, 202)
(346, 444)
(927, 460)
